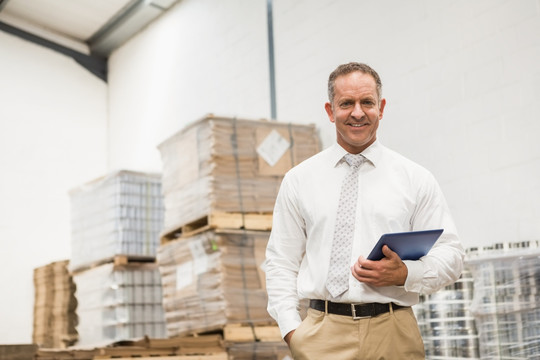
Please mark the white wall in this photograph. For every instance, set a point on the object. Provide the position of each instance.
(52, 138)
(461, 79)
(204, 56)
(462, 83)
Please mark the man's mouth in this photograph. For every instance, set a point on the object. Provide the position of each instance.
(357, 125)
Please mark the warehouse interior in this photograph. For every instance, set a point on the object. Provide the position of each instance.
(92, 88)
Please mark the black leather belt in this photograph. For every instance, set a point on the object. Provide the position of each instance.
(356, 311)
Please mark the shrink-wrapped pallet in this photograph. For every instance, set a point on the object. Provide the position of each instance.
(119, 302)
(446, 323)
(54, 306)
(118, 214)
(212, 279)
(506, 302)
(228, 165)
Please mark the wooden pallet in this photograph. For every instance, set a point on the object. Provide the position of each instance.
(248, 333)
(117, 260)
(220, 356)
(220, 220)
(132, 351)
(207, 347)
(18, 352)
(203, 347)
(184, 345)
(65, 354)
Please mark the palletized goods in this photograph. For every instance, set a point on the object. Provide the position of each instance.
(212, 279)
(228, 165)
(118, 303)
(118, 214)
(446, 323)
(506, 303)
(54, 306)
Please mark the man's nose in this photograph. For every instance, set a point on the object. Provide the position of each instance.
(357, 111)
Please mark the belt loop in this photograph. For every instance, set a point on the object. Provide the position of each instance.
(326, 307)
(391, 308)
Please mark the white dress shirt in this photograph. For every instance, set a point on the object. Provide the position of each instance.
(394, 195)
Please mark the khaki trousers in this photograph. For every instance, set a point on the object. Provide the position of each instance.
(394, 335)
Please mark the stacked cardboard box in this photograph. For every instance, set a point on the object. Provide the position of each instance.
(255, 342)
(54, 306)
(220, 180)
(221, 177)
(118, 214)
(228, 165)
(212, 279)
(119, 302)
(275, 350)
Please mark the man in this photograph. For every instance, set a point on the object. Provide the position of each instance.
(318, 221)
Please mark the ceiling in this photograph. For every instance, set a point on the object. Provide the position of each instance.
(88, 30)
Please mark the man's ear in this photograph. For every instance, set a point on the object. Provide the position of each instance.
(381, 108)
(329, 111)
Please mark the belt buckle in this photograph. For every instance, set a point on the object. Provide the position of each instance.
(353, 310)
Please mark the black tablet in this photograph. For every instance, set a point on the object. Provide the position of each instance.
(408, 245)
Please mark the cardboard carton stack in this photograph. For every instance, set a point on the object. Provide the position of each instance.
(213, 279)
(54, 306)
(275, 350)
(221, 177)
(261, 342)
(225, 165)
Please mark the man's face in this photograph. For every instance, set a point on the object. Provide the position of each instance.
(356, 111)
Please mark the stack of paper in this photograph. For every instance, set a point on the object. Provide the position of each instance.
(213, 279)
(229, 165)
(54, 306)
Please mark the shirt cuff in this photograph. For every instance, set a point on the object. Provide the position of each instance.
(415, 269)
(289, 321)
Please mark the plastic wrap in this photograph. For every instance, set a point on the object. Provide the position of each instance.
(118, 303)
(446, 324)
(229, 165)
(119, 214)
(213, 279)
(506, 303)
(54, 306)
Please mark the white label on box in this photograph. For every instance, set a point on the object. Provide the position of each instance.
(184, 275)
(200, 259)
(273, 147)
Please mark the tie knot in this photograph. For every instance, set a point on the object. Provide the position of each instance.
(354, 160)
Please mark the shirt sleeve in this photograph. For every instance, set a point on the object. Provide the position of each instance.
(444, 262)
(284, 253)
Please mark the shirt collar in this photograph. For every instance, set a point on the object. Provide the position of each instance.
(372, 153)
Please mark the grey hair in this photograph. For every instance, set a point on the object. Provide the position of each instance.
(348, 68)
